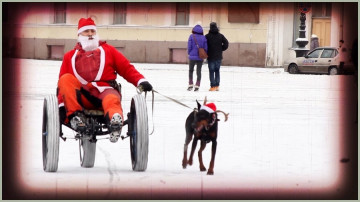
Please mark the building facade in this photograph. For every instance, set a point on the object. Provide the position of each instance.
(260, 34)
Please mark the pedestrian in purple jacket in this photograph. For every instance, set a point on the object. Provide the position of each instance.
(193, 52)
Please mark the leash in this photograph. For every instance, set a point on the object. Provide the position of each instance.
(172, 99)
(140, 90)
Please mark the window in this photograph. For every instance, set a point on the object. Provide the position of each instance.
(178, 55)
(315, 53)
(55, 52)
(328, 53)
(321, 9)
(242, 12)
(120, 13)
(59, 13)
(120, 49)
(182, 13)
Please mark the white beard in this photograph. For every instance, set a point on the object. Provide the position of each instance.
(89, 44)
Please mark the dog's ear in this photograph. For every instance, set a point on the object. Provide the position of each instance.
(198, 104)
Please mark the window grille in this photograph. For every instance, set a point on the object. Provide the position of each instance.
(120, 13)
(182, 13)
(242, 12)
(59, 13)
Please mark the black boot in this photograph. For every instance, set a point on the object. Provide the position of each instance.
(78, 121)
(196, 88)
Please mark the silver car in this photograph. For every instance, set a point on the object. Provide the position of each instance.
(321, 60)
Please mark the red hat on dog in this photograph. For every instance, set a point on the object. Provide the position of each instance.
(210, 107)
(85, 24)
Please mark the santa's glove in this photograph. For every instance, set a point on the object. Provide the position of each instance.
(145, 86)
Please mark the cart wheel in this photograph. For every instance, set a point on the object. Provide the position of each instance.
(50, 134)
(139, 135)
(87, 152)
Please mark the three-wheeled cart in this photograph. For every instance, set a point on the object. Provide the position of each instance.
(137, 122)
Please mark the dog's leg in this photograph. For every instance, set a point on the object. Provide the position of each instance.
(212, 161)
(193, 147)
(189, 136)
(184, 161)
(187, 141)
(202, 147)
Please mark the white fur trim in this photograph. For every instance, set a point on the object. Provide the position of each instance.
(141, 80)
(100, 72)
(83, 81)
(101, 88)
(61, 104)
(86, 28)
(206, 108)
(102, 64)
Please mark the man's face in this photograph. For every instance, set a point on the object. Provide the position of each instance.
(89, 33)
(88, 39)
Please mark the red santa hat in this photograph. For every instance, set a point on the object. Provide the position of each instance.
(210, 107)
(85, 24)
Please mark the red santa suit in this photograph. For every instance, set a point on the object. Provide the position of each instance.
(89, 73)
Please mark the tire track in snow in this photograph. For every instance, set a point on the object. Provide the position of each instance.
(111, 168)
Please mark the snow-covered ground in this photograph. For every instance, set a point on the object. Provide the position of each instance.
(283, 138)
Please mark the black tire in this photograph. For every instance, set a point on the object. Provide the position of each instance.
(293, 69)
(333, 71)
(50, 134)
(87, 152)
(139, 133)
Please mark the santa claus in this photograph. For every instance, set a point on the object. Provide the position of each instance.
(87, 80)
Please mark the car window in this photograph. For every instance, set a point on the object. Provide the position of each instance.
(315, 53)
(327, 53)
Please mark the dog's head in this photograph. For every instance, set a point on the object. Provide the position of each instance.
(206, 117)
(204, 120)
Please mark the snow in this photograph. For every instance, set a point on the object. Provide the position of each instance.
(302, 39)
(282, 134)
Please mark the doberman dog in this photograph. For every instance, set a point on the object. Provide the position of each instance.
(202, 125)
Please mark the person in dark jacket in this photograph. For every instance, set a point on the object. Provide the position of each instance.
(217, 43)
(196, 39)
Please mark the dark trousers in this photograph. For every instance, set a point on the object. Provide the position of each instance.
(214, 72)
(341, 67)
(192, 64)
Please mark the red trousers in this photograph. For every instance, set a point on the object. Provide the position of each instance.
(68, 88)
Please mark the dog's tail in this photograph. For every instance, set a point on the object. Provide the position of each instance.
(225, 114)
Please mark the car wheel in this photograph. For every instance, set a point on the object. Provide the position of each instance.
(293, 69)
(333, 71)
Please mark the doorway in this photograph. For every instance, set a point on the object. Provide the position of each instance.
(322, 28)
(321, 22)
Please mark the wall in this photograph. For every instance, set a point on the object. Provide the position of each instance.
(150, 34)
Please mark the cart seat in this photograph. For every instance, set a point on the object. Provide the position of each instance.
(93, 112)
